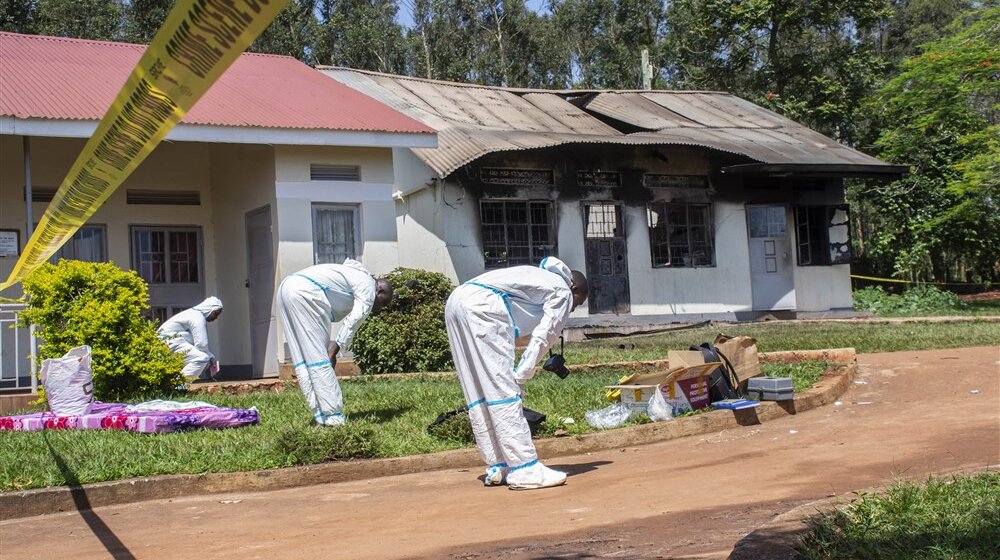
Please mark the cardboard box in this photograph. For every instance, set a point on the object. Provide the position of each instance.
(684, 388)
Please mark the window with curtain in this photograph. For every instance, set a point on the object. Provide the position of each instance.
(335, 233)
(88, 244)
(680, 235)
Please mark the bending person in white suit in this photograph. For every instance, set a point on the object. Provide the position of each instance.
(187, 334)
(484, 317)
(309, 302)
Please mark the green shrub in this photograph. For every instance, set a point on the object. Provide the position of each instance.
(408, 334)
(98, 304)
(915, 300)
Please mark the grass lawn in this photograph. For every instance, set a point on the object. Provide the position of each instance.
(387, 418)
(953, 519)
(772, 337)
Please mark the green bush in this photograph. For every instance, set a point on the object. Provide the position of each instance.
(916, 300)
(408, 334)
(98, 304)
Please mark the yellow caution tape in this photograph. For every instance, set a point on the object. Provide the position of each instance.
(197, 43)
(898, 281)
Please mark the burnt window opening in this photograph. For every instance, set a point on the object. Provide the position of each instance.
(823, 235)
(516, 232)
(680, 234)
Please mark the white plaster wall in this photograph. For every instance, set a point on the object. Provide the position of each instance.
(724, 287)
(242, 177)
(295, 195)
(821, 288)
(172, 166)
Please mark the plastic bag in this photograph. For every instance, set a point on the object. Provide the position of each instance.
(69, 385)
(658, 409)
(608, 417)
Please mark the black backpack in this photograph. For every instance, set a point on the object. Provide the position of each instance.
(722, 383)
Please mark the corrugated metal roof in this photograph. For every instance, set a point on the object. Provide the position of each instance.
(473, 121)
(59, 78)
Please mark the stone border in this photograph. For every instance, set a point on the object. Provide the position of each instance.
(27, 503)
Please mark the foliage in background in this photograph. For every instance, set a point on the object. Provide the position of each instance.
(75, 303)
(814, 61)
(942, 519)
(408, 334)
(917, 300)
(940, 116)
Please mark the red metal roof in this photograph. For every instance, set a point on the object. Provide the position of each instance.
(59, 78)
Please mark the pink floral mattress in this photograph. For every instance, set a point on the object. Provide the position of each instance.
(118, 416)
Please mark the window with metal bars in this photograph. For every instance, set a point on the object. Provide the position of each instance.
(516, 232)
(167, 255)
(680, 234)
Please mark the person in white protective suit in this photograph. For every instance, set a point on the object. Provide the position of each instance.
(484, 317)
(309, 302)
(187, 334)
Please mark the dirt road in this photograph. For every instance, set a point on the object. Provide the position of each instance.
(909, 414)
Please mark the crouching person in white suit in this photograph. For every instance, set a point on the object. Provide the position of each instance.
(484, 317)
(309, 302)
(187, 334)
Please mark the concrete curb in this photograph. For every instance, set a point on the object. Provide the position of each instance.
(777, 539)
(14, 505)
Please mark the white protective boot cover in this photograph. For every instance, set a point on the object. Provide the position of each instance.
(534, 476)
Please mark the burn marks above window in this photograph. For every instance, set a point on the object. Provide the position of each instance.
(600, 179)
(653, 180)
(322, 172)
(517, 177)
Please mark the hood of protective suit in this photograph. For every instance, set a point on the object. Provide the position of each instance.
(208, 306)
(356, 265)
(556, 266)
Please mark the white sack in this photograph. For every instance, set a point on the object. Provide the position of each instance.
(69, 386)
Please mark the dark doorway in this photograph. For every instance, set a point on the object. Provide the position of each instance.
(607, 263)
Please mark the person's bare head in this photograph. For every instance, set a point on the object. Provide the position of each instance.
(579, 287)
(383, 294)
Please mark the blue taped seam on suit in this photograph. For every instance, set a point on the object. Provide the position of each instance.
(524, 466)
(513, 399)
(504, 296)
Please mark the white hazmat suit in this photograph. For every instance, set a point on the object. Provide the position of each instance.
(484, 317)
(187, 333)
(309, 302)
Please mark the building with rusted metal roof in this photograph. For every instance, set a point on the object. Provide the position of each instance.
(679, 205)
(277, 167)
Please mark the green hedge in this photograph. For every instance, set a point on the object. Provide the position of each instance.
(408, 334)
